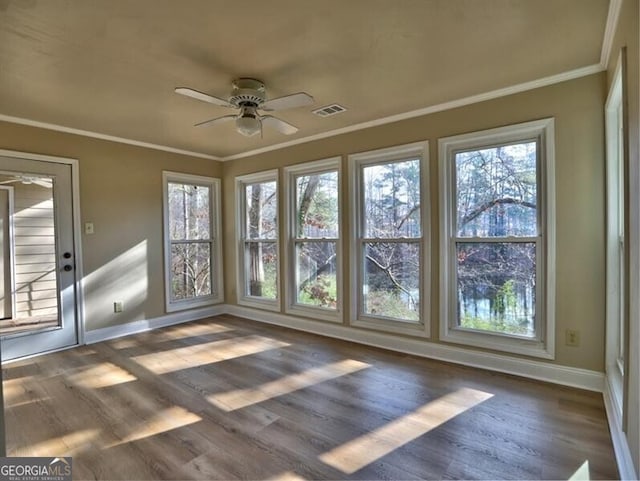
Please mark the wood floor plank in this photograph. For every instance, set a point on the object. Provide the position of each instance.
(227, 398)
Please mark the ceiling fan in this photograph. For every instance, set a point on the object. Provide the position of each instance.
(30, 179)
(248, 95)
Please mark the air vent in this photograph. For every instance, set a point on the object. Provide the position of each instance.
(329, 110)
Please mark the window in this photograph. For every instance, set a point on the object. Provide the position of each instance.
(497, 238)
(193, 261)
(313, 195)
(258, 271)
(616, 272)
(390, 245)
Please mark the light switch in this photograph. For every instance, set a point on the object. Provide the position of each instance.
(88, 228)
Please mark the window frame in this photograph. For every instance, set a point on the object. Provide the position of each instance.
(241, 238)
(616, 137)
(215, 256)
(333, 164)
(542, 345)
(358, 317)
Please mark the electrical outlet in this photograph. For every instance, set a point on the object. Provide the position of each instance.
(118, 306)
(572, 337)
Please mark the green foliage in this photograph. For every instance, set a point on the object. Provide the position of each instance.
(322, 292)
(495, 325)
(506, 299)
(389, 304)
(269, 282)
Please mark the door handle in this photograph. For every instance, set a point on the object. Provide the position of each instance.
(67, 268)
(67, 255)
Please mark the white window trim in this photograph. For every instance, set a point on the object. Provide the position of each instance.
(217, 292)
(291, 306)
(357, 318)
(243, 299)
(544, 347)
(614, 366)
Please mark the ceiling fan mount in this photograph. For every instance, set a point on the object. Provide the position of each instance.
(247, 91)
(249, 95)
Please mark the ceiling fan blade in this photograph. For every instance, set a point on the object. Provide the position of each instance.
(217, 120)
(202, 96)
(280, 125)
(299, 99)
(11, 181)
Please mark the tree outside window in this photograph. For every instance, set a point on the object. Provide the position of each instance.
(391, 239)
(258, 257)
(315, 239)
(193, 267)
(390, 249)
(190, 235)
(496, 236)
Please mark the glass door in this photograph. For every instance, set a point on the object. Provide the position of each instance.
(37, 288)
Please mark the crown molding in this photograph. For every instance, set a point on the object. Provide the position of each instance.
(493, 94)
(610, 31)
(98, 135)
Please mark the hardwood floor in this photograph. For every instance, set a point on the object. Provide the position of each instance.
(228, 398)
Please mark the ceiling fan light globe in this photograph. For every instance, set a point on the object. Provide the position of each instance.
(248, 126)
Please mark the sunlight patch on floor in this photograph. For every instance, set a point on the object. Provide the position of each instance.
(101, 375)
(166, 420)
(359, 452)
(12, 390)
(206, 353)
(582, 473)
(67, 445)
(237, 399)
(192, 330)
(288, 476)
(15, 393)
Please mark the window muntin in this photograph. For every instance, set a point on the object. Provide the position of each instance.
(315, 239)
(260, 240)
(192, 251)
(390, 236)
(496, 199)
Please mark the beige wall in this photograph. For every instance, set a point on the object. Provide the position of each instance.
(121, 193)
(578, 110)
(627, 35)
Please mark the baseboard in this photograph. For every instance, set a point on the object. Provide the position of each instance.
(564, 375)
(620, 445)
(112, 332)
(554, 373)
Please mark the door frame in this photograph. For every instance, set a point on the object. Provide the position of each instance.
(10, 240)
(77, 231)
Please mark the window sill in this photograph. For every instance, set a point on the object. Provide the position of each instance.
(330, 315)
(525, 347)
(260, 303)
(409, 328)
(192, 304)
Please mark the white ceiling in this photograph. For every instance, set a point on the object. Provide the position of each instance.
(109, 67)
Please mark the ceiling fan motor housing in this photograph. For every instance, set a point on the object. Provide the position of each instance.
(247, 92)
